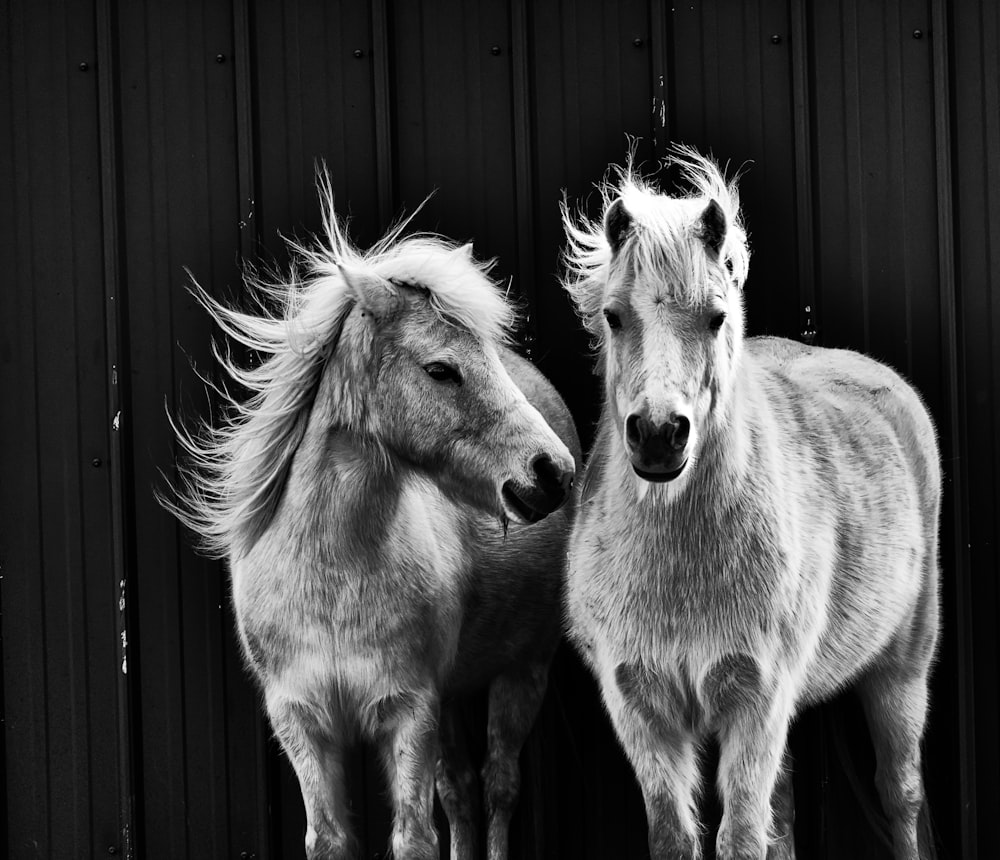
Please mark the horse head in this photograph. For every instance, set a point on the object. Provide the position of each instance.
(422, 346)
(658, 282)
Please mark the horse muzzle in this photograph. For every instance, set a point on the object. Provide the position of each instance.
(658, 453)
(530, 503)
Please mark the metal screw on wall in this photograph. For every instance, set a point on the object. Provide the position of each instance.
(96, 462)
(637, 42)
(220, 58)
(918, 34)
(775, 39)
(495, 50)
(83, 67)
(358, 53)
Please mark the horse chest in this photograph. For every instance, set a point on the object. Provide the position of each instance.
(656, 588)
(337, 614)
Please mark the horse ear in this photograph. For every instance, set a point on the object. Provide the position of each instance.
(466, 251)
(375, 295)
(617, 224)
(712, 227)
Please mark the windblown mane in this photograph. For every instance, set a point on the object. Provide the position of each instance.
(660, 245)
(234, 473)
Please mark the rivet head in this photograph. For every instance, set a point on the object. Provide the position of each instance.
(83, 67)
(96, 462)
(918, 34)
(220, 58)
(112, 849)
(637, 42)
(495, 50)
(775, 39)
(358, 53)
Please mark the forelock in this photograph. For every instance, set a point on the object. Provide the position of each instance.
(458, 288)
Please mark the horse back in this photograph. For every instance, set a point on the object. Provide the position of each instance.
(848, 389)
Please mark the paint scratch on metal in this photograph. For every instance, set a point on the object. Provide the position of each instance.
(116, 423)
(124, 632)
(660, 116)
(244, 222)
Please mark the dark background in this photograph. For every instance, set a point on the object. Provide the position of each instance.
(137, 139)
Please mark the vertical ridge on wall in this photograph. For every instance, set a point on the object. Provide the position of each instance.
(804, 205)
(382, 87)
(246, 159)
(524, 200)
(955, 650)
(975, 93)
(119, 409)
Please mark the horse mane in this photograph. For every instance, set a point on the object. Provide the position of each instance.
(660, 244)
(234, 474)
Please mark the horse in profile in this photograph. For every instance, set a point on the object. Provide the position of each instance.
(387, 499)
(757, 525)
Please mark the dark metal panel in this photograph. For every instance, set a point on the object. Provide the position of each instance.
(314, 99)
(975, 97)
(874, 175)
(732, 94)
(60, 652)
(181, 206)
(451, 80)
(591, 87)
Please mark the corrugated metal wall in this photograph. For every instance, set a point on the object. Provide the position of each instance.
(138, 139)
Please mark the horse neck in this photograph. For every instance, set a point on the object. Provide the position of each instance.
(727, 450)
(342, 488)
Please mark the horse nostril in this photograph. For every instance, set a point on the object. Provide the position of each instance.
(680, 429)
(550, 477)
(633, 430)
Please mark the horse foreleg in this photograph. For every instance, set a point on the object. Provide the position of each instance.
(663, 756)
(752, 739)
(314, 748)
(782, 845)
(409, 735)
(896, 707)
(514, 700)
(458, 787)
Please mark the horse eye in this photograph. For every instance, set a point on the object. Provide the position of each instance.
(614, 321)
(443, 372)
(715, 323)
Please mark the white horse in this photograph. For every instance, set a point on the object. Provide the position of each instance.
(758, 525)
(372, 498)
